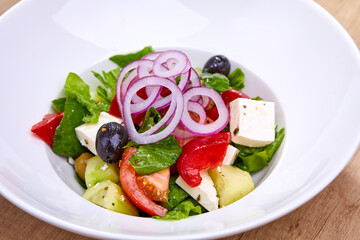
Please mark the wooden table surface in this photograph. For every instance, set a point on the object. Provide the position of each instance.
(332, 214)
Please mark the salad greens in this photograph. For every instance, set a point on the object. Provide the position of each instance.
(75, 87)
(79, 106)
(176, 195)
(156, 156)
(236, 79)
(65, 140)
(59, 104)
(109, 80)
(123, 60)
(185, 209)
(217, 81)
(253, 159)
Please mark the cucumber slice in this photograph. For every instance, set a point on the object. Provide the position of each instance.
(231, 183)
(97, 171)
(110, 196)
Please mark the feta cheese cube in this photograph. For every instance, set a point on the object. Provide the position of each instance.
(86, 133)
(252, 122)
(230, 156)
(205, 193)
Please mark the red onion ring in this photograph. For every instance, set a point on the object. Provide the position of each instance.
(175, 110)
(177, 69)
(208, 129)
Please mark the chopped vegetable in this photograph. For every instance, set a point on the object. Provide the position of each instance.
(216, 81)
(202, 153)
(123, 60)
(136, 194)
(176, 195)
(236, 79)
(66, 142)
(253, 159)
(59, 104)
(47, 127)
(185, 209)
(75, 87)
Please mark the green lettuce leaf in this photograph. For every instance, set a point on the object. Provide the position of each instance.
(66, 142)
(216, 81)
(254, 159)
(108, 79)
(236, 79)
(157, 156)
(59, 104)
(152, 117)
(185, 209)
(75, 87)
(176, 195)
(123, 60)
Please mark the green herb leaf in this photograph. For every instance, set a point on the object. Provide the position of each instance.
(155, 157)
(152, 117)
(66, 142)
(236, 79)
(216, 81)
(59, 104)
(254, 159)
(176, 195)
(75, 87)
(108, 79)
(185, 209)
(123, 60)
(257, 98)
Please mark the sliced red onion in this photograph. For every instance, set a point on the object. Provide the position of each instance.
(175, 110)
(194, 81)
(151, 56)
(200, 129)
(188, 66)
(124, 83)
(205, 101)
(184, 81)
(178, 68)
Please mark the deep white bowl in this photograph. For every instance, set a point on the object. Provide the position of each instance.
(293, 53)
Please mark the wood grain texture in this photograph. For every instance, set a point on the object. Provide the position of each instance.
(333, 214)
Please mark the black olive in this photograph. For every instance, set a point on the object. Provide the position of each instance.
(110, 140)
(217, 64)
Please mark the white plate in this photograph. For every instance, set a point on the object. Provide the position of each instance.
(307, 61)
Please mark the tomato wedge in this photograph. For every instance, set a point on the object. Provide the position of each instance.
(232, 94)
(128, 179)
(202, 153)
(47, 127)
(156, 185)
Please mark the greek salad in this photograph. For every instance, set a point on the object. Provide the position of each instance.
(161, 138)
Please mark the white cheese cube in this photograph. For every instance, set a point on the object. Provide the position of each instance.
(205, 193)
(86, 133)
(230, 156)
(252, 122)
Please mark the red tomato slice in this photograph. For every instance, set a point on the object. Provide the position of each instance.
(114, 108)
(202, 153)
(232, 94)
(156, 185)
(47, 127)
(128, 179)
